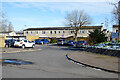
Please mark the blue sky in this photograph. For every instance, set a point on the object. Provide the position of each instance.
(52, 14)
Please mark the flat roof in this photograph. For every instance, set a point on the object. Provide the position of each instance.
(64, 28)
(115, 25)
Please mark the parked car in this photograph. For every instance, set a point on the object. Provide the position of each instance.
(24, 43)
(45, 41)
(61, 42)
(81, 44)
(9, 42)
(38, 41)
(71, 43)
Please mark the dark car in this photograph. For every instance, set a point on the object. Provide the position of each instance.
(9, 42)
(38, 41)
(81, 44)
(71, 43)
(45, 41)
(61, 42)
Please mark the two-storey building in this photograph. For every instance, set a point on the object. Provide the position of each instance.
(59, 32)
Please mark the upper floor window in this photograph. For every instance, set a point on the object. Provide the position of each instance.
(81, 31)
(31, 32)
(59, 32)
(36, 32)
(71, 32)
(88, 31)
(43, 32)
(50, 32)
(63, 31)
(26, 32)
(116, 31)
(55, 32)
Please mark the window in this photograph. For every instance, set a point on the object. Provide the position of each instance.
(43, 32)
(25, 40)
(50, 32)
(59, 32)
(81, 31)
(55, 32)
(88, 31)
(26, 32)
(71, 32)
(36, 32)
(63, 31)
(116, 31)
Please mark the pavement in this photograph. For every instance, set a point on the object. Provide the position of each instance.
(103, 62)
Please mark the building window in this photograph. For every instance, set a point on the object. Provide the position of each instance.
(31, 32)
(50, 32)
(88, 31)
(63, 31)
(36, 32)
(55, 32)
(43, 32)
(81, 31)
(116, 31)
(59, 32)
(71, 32)
(26, 32)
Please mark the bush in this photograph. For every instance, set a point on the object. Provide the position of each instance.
(53, 40)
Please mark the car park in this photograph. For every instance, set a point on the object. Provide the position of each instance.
(9, 42)
(71, 43)
(81, 44)
(24, 43)
(61, 42)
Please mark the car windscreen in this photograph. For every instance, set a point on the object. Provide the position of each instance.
(18, 40)
(81, 41)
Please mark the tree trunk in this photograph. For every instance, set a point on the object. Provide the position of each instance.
(76, 37)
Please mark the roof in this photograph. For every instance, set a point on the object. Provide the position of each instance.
(64, 28)
(6, 32)
(19, 32)
(115, 25)
(104, 29)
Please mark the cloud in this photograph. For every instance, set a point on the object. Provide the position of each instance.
(89, 7)
(58, 0)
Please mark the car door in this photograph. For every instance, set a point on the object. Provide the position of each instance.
(26, 43)
(30, 44)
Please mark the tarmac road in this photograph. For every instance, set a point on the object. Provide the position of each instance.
(50, 62)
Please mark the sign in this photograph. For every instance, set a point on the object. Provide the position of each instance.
(114, 35)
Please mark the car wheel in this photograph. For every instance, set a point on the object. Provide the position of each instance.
(33, 46)
(6, 46)
(23, 46)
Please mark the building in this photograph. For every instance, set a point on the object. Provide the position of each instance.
(12, 35)
(107, 34)
(59, 32)
(115, 28)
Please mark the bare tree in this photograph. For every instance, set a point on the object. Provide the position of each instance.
(106, 23)
(10, 27)
(5, 25)
(76, 20)
(3, 22)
